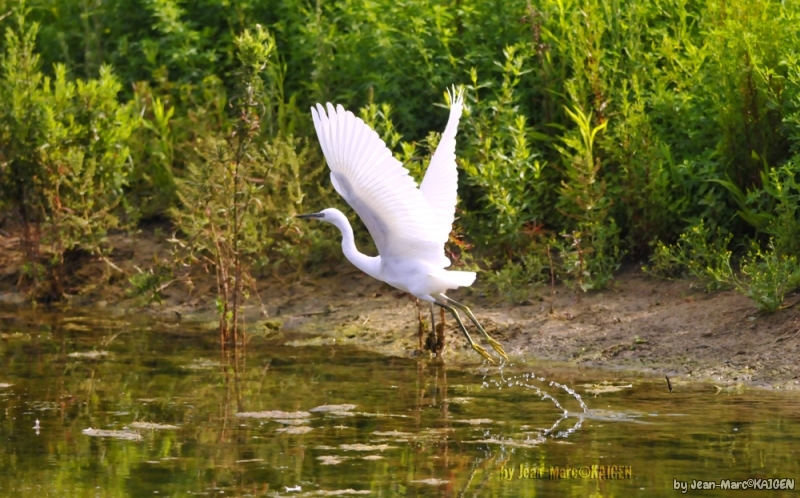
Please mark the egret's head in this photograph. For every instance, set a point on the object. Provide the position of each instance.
(328, 215)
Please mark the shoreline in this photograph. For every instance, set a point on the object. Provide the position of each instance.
(640, 323)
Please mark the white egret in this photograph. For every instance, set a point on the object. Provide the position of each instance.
(410, 225)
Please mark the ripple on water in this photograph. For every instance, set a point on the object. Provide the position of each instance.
(332, 409)
(605, 387)
(394, 433)
(616, 416)
(299, 429)
(88, 355)
(153, 426)
(475, 421)
(292, 421)
(274, 414)
(114, 434)
(338, 492)
(366, 447)
(203, 364)
(431, 482)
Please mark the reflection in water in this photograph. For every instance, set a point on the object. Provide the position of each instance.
(102, 407)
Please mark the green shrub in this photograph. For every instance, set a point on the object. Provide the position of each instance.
(763, 276)
(700, 102)
(66, 159)
(518, 277)
(241, 190)
(591, 253)
(153, 182)
(506, 188)
(766, 276)
(701, 252)
(774, 207)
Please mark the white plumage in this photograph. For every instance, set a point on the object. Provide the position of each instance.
(409, 225)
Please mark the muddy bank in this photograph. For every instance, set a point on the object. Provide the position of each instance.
(641, 323)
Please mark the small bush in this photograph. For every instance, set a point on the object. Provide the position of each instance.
(704, 254)
(517, 278)
(763, 276)
(766, 277)
(242, 188)
(506, 188)
(66, 158)
(591, 253)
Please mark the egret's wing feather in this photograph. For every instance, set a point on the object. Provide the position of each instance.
(441, 179)
(377, 187)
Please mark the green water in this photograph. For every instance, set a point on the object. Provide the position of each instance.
(415, 430)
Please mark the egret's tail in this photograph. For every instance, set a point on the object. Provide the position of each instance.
(453, 279)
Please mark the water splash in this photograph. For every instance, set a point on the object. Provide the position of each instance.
(526, 381)
(572, 393)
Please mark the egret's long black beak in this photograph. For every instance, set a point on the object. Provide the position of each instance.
(317, 216)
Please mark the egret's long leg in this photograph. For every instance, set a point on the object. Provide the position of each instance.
(438, 333)
(495, 345)
(433, 321)
(420, 329)
(433, 339)
(472, 343)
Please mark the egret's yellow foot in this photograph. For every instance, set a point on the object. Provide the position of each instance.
(497, 347)
(482, 352)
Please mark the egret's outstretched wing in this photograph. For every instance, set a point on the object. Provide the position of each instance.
(441, 179)
(377, 187)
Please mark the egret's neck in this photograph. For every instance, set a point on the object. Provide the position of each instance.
(368, 264)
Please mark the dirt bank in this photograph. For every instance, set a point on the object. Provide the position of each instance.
(641, 323)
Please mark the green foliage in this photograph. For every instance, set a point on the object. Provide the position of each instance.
(616, 126)
(149, 283)
(87, 156)
(153, 184)
(515, 280)
(774, 207)
(704, 254)
(25, 117)
(219, 202)
(764, 276)
(242, 187)
(66, 159)
(592, 253)
(508, 187)
(649, 200)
